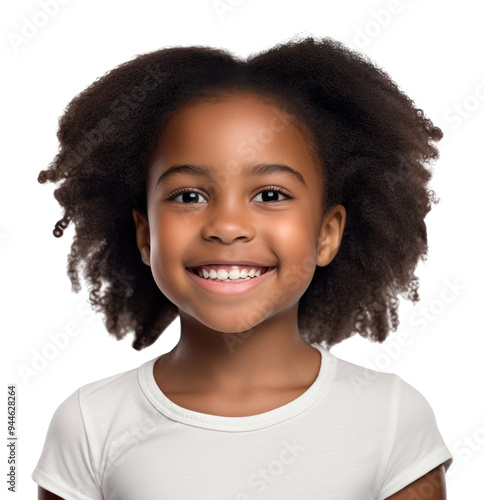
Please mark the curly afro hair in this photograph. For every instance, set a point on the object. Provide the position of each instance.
(373, 146)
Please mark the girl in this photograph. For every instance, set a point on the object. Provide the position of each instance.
(276, 205)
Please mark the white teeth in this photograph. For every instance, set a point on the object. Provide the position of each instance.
(234, 274)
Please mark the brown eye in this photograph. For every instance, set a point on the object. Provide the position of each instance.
(191, 196)
(188, 195)
(275, 192)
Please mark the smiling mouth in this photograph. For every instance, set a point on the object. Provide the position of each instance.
(198, 272)
(236, 285)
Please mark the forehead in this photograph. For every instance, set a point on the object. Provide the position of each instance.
(239, 129)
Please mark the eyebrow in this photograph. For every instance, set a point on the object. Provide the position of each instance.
(258, 169)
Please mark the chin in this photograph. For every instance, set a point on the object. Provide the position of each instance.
(231, 322)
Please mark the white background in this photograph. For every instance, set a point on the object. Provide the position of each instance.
(432, 50)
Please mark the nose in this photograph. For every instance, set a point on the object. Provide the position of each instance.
(228, 222)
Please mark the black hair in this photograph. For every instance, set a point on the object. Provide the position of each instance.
(372, 144)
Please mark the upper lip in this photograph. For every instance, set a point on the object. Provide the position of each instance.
(228, 263)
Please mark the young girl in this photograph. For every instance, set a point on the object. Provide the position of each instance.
(276, 205)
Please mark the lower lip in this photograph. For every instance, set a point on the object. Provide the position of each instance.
(227, 288)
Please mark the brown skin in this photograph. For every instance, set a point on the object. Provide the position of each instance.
(230, 361)
(263, 352)
(431, 486)
(47, 495)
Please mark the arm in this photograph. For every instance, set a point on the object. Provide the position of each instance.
(431, 486)
(47, 495)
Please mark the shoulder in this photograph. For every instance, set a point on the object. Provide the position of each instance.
(99, 413)
(384, 397)
(97, 403)
(88, 432)
(111, 388)
(396, 424)
(365, 382)
(362, 383)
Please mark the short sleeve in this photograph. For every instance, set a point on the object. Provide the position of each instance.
(65, 465)
(415, 445)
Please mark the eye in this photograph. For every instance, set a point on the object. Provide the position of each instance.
(274, 189)
(192, 194)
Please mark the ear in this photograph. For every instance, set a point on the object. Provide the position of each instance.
(142, 234)
(330, 235)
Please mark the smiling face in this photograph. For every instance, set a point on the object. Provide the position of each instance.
(229, 212)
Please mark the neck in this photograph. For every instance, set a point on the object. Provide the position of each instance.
(271, 355)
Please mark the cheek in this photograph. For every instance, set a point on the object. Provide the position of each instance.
(172, 236)
(294, 242)
(293, 236)
(168, 248)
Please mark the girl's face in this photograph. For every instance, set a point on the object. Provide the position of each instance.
(270, 217)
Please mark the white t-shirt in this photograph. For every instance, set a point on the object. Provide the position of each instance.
(353, 434)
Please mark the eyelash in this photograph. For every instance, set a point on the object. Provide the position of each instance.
(270, 188)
